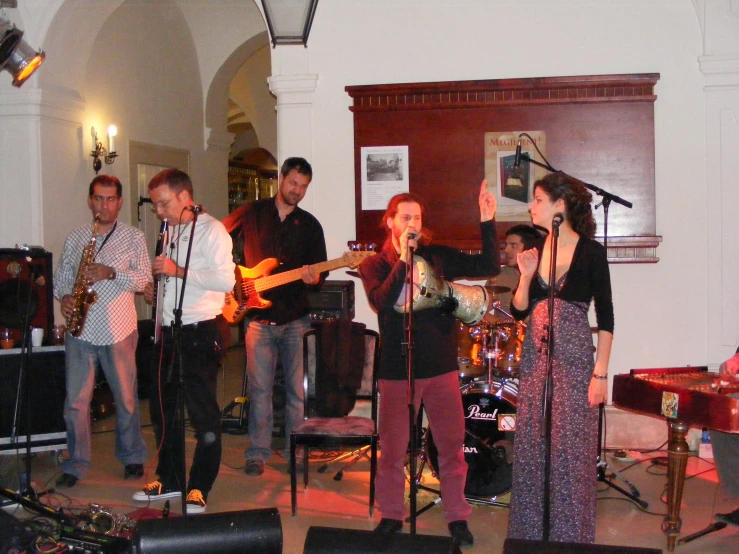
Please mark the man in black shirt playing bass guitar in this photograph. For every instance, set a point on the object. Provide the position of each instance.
(277, 228)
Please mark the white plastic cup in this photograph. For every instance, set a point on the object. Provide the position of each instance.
(37, 336)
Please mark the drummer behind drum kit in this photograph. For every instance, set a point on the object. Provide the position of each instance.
(488, 355)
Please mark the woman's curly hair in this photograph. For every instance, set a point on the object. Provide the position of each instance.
(577, 199)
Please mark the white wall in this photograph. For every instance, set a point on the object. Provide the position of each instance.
(250, 92)
(170, 64)
(660, 308)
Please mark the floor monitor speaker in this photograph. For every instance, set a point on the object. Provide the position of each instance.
(253, 531)
(523, 546)
(327, 540)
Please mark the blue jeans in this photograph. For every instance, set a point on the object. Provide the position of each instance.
(118, 362)
(263, 344)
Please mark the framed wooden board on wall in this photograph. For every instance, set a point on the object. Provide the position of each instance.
(599, 129)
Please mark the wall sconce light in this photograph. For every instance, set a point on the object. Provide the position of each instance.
(289, 21)
(16, 56)
(99, 151)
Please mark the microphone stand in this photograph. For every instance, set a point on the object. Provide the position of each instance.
(177, 354)
(24, 383)
(411, 386)
(546, 428)
(601, 463)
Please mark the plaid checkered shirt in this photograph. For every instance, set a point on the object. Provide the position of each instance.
(113, 317)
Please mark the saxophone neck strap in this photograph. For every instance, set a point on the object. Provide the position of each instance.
(106, 238)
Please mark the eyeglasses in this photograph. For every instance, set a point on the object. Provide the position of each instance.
(162, 204)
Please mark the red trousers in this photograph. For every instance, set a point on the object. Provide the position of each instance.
(442, 402)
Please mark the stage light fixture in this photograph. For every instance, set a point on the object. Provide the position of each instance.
(16, 56)
(289, 21)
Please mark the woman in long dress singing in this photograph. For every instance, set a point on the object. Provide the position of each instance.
(580, 383)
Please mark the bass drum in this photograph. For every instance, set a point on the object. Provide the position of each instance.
(490, 422)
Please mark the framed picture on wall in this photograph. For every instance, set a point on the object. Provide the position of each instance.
(512, 185)
(384, 174)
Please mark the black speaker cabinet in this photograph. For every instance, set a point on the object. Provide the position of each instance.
(327, 540)
(523, 546)
(48, 431)
(26, 287)
(253, 531)
(334, 300)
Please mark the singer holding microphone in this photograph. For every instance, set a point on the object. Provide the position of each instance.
(580, 383)
(203, 340)
(435, 364)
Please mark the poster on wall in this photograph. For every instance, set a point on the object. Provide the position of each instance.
(384, 174)
(512, 185)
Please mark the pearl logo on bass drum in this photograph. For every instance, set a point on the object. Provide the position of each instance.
(475, 412)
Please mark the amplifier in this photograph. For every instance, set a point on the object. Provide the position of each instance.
(26, 290)
(334, 300)
(48, 388)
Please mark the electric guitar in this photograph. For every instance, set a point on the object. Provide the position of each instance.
(250, 282)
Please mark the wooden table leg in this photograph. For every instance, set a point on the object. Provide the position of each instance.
(677, 450)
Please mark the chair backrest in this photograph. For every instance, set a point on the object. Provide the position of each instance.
(368, 389)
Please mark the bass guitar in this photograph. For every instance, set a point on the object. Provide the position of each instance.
(250, 282)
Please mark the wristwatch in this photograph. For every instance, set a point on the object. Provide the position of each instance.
(112, 275)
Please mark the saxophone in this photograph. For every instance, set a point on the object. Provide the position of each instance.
(84, 296)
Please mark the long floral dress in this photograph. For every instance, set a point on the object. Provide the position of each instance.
(574, 428)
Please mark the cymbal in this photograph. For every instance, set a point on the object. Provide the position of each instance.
(497, 289)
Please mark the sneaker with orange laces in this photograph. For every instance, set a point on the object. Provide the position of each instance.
(195, 502)
(155, 491)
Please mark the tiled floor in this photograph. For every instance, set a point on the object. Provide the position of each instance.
(343, 504)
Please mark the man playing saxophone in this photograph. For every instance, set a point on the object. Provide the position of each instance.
(108, 258)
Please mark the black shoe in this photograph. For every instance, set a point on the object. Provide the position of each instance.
(254, 467)
(155, 491)
(196, 502)
(133, 471)
(387, 525)
(66, 480)
(461, 533)
(732, 518)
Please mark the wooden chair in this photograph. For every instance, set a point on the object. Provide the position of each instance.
(335, 431)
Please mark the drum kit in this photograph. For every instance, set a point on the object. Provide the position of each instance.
(488, 356)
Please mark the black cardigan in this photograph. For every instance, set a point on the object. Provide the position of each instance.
(588, 278)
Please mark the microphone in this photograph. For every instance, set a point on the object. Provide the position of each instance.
(195, 208)
(557, 220)
(517, 159)
(37, 274)
(515, 178)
